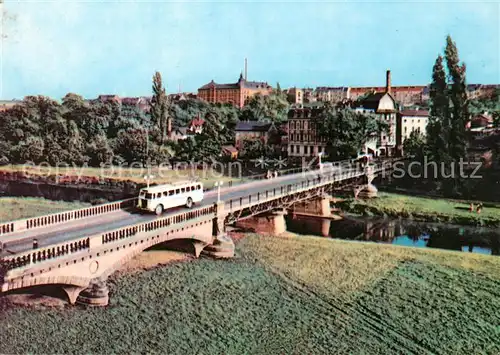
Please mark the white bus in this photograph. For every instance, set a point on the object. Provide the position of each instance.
(159, 198)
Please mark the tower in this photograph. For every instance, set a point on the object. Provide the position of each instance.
(246, 67)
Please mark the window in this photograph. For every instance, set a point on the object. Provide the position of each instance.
(198, 187)
(171, 193)
(158, 195)
(149, 196)
(177, 191)
(305, 149)
(165, 193)
(183, 190)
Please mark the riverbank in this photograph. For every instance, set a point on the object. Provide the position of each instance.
(424, 209)
(117, 175)
(12, 208)
(282, 295)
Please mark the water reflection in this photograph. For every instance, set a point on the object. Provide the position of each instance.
(403, 232)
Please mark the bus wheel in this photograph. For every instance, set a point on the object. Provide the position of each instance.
(159, 210)
(189, 202)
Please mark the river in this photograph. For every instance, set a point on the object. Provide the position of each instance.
(402, 232)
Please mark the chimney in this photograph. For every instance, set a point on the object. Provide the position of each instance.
(388, 81)
(246, 66)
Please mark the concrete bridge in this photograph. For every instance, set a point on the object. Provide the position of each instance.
(78, 250)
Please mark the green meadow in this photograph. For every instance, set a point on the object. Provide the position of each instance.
(297, 295)
(425, 209)
(12, 208)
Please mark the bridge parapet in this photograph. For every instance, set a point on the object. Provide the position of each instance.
(61, 217)
(40, 256)
(322, 179)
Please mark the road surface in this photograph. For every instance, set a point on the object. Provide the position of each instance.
(23, 240)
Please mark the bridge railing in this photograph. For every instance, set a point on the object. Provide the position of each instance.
(51, 252)
(55, 251)
(277, 192)
(61, 217)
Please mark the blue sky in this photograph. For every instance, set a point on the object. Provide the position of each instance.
(103, 47)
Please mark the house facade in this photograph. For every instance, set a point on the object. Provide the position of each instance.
(303, 138)
(383, 106)
(409, 121)
(254, 130)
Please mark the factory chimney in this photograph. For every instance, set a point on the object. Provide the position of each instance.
(388, 82)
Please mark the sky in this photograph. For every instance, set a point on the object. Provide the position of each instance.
(94, 47)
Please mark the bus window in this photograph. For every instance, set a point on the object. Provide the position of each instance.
(158, 195)
(188, 188)
(177, 191)
(183, 190)
(171, 193)
(142, 194)
(165, 193)
(198, 187)
(149, 196)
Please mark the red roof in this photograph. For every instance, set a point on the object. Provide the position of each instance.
(197, 122)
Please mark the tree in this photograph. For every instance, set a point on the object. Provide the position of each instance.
(273, 107)
(458, 98)
(159, 108)
(437, 128)
(254, 149)
(414, 145)
(346, 131)
(449, 114)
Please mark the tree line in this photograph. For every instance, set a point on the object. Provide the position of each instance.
(76, 131)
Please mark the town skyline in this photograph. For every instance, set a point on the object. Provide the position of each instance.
(50, 50)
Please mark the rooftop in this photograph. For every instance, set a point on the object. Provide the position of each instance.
(241, 83)
(418, 113)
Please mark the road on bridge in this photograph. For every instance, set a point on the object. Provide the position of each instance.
(23, 240)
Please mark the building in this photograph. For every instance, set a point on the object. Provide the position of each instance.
(309, 95)
(295, 96)
(475, 91)
(236, 94)
(230, 151)
(179, 134)
(303, 136)
(480, 121)
(253, 130)
(8, 104)
(383, 105)
(332, 94)
(108, 98)
(409, 121)
(196, 125)
(142, 103)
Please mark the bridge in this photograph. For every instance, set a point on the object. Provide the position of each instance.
(78, 250)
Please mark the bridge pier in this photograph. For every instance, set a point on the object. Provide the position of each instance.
(268, 223)
(317, 207)
(97, 294)
(73, 292)
(223, 245)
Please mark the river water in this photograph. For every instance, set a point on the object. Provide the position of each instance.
(402, 232)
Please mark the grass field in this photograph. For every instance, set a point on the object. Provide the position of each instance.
(12, 208)
(300, 295)
(426, 209)
(162, 175)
